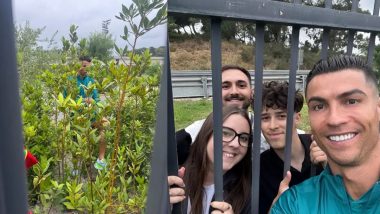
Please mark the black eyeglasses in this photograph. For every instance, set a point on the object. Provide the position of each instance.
(230, 134)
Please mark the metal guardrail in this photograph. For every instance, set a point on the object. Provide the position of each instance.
(193, 84)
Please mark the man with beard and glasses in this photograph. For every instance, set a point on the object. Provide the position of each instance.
(236, 90)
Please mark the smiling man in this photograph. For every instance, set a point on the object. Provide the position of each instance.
(344, 113)
(236, 91)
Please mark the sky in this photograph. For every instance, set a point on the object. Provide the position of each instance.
(88, 15)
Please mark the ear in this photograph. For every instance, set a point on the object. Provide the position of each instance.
(252, 94)
(378, 108)
(297, 118)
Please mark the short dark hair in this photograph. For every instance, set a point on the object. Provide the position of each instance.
(340, 63)
(275, 96)
(85, 58)
(236, 67)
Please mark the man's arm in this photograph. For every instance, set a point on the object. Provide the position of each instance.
(95, 94)
(286, 203)
(183, 145)
(184, 138)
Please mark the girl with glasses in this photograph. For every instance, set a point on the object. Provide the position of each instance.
(196, 184)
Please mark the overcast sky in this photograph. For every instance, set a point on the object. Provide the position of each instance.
(58, 15)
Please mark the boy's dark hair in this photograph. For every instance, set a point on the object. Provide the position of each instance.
(340, 63)
(245, 71)
(275, 96)
(85, 58)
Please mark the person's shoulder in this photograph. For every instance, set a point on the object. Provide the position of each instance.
(286, 203)
(266, 154)
(305, 139)
(299, 198)
(91, 79)
(195, 125)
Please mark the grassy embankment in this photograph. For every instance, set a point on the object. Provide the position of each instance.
(195, 55)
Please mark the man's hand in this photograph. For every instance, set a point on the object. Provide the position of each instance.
(221, 207)
(317, 156)
(177, 192)
(284, 185)
(88, 100)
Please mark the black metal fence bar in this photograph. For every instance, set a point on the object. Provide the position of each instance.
(263, 12)
(372, 38)
(297, 1)
(351, 34)
(350, 43)
(12, 169)
(371, 48)
(291, 95)
(172, 143)
(216, 62)
(158, 196)
(328, 3)
(278, 12)
(325, 43)
(355, 4)
(259, 65)
(376, 8)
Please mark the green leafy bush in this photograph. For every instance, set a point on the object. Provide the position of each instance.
(58, 125)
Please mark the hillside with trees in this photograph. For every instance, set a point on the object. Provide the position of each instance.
(190, 42)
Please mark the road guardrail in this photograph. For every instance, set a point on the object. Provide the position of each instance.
(198, 84)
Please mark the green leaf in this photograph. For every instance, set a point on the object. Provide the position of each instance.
(35, 182)
(125, 50)
(60, 98)
(135, 29)
(81, 129)
(78, 188)
(145, 22)
(125, 10)
(159, 6)
(68, 205)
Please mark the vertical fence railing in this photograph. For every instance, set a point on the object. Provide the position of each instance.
(325, 43)
(259, 65)
(351, 33)
(12, 170)
(262, 12)
(371, 44)
(291, 95)
(158, 197)
(216, 62)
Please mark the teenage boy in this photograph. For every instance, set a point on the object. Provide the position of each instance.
(273, 127)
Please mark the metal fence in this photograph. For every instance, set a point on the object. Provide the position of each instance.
(261, 12)
(12, 170)
(295, 14)
(193, 84)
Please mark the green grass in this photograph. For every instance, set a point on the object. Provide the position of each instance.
(304, 125)
(188, 111)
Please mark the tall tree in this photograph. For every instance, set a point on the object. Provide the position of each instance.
(337, 38)
(34, 54)
(100, 46)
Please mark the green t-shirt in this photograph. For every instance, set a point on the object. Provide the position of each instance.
(326, 194)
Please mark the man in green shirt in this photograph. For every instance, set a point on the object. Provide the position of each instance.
(344, 113)
(84, 80)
